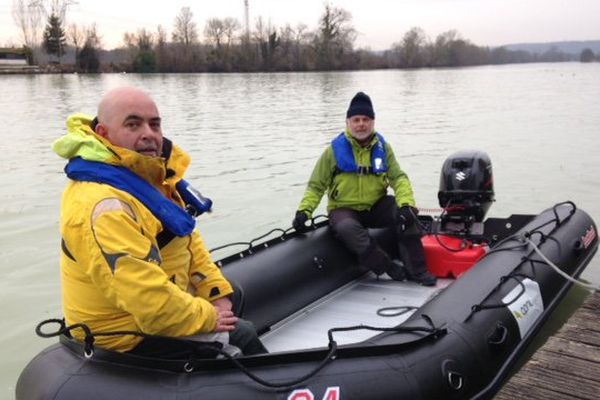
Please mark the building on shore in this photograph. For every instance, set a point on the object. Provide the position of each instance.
(16, 61)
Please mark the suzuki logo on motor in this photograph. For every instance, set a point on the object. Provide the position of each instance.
(460, 176)
(331, 393)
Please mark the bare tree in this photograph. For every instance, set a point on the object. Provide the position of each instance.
(76, 36)
(214, 31)
(412, 46)
(162, 53)
(185, 31)
(335, 37)
(53, 7)
(28, 18)
(230, 27)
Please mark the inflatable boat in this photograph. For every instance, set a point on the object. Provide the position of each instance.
(336, 331)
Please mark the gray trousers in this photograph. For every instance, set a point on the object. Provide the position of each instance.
(351, 226)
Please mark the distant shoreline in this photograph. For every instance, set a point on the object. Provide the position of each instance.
(68, 69)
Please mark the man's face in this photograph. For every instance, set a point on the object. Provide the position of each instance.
(360, 127)
(133, 122)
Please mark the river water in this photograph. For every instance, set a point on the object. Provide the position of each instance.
(254, 139)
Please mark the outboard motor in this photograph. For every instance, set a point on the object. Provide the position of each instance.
(466, 188)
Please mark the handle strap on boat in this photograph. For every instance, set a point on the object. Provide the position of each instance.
(431, 330)
(252, 245)
(524, 241)
(90, 337)
(63, 329)
(189, 366)
(478, 307)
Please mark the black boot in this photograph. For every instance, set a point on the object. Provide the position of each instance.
(423, 277)
(375, 259)
(396, 270)
(414, 261)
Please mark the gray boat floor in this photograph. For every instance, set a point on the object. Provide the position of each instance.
(354, 304)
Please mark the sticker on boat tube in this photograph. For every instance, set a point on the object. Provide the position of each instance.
(528, 307)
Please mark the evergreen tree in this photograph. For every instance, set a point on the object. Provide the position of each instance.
(87, 59)
(587, 55)
(145, 62)
(54, 37)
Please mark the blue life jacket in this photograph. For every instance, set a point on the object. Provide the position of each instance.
(174, 218)
(344, 158)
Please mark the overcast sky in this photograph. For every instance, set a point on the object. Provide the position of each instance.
(379, 22)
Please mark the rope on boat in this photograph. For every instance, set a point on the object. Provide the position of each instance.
(524, 240)
(250, 245)
(558, 270)
(431, 332)
(395, 311)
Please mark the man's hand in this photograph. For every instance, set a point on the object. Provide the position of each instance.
(225, 321)
(299, 222)
(406, 217)
(224, 303)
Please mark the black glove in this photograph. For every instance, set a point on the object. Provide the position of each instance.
(299, 222)
(406, 217)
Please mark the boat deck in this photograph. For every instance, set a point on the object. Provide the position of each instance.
(354, 304)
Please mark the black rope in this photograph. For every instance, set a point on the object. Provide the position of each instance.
(284, 232)
(543, 237)
(481, 306)
(90, 336)
(289, 384)
(229, 245)
(331, 354)
(267, 234)
(395, 311)
(451, 250)
(573, 209)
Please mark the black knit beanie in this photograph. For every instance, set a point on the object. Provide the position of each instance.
(361, 105)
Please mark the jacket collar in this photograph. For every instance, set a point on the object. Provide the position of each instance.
(162, 172)
(355, 143)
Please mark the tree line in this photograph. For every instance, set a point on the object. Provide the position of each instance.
(229, 47)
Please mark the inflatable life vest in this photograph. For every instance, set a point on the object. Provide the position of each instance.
(344, 158)
(175, 219)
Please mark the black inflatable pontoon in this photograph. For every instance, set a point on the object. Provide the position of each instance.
(458, 342)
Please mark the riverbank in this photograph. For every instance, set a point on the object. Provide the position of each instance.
(20, 69)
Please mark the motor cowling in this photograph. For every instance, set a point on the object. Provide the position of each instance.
(466, 186)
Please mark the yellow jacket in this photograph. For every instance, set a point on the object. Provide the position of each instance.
(114, 276)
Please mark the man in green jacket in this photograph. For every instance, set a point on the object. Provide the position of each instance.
(356, 171)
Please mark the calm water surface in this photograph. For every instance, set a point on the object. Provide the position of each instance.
(254, 139)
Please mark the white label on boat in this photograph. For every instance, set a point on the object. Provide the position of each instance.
(528, 307)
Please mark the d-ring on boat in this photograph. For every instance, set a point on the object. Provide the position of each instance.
(336, 331)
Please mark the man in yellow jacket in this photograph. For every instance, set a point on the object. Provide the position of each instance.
(131, 259)
(356, 171)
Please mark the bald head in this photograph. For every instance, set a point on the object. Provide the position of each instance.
(129, 118)
(119, 98)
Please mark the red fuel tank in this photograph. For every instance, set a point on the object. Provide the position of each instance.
(449, 256)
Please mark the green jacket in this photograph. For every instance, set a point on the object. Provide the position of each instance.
(350, 190)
